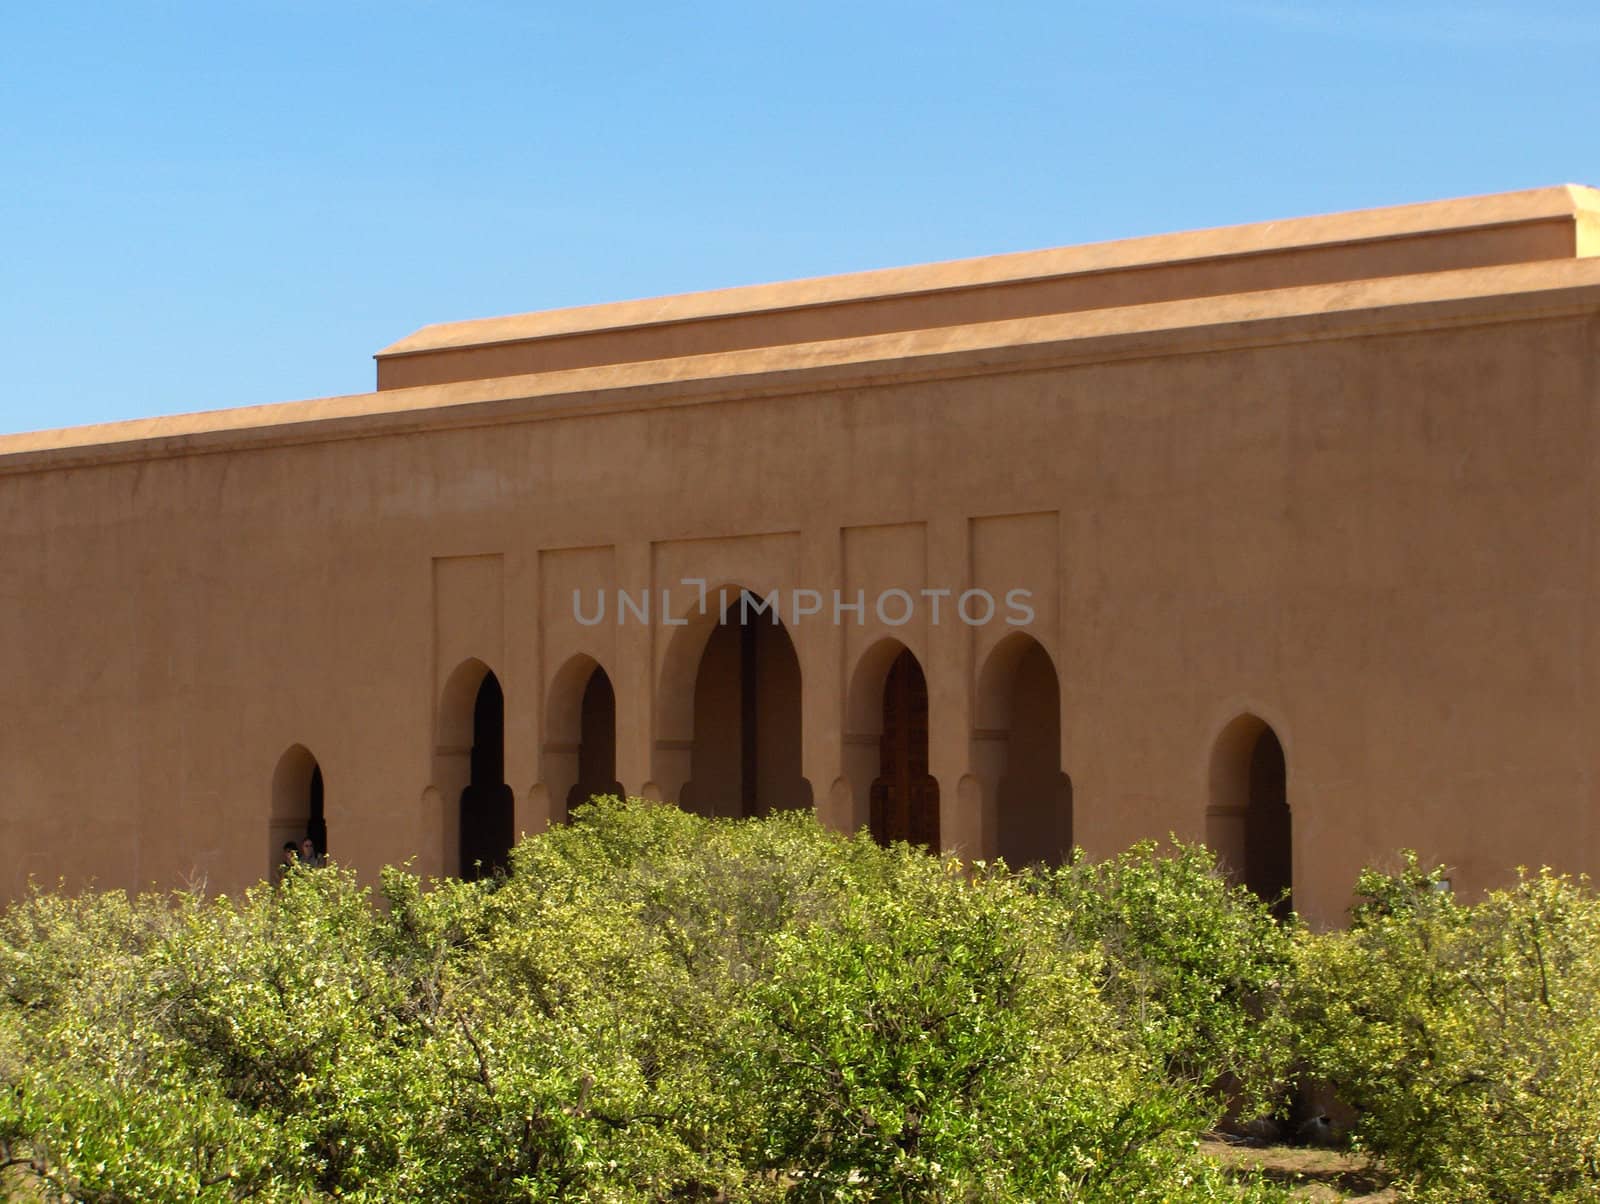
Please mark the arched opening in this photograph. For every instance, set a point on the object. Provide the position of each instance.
(1248, 824)
(298, 807)
(745, 753)
(597, 741)
(487, 803)
(1017, 753)
(580, 736)
(904, 798)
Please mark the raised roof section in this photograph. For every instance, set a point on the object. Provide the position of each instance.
(1516, 227)
(1358, 309)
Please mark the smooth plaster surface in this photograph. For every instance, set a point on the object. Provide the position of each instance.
(1336, 474)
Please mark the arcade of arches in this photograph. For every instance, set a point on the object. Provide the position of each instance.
(740, 697)
(742, 748)
(745, 759)
(744, 753)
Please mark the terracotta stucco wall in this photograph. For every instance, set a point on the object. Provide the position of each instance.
(1378, 543)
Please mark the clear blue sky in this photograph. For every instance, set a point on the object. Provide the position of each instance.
(222, 203)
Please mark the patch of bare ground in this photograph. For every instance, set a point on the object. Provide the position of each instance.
(1322, 1176)
(17, 1188)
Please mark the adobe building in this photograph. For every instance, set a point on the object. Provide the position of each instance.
(1280, 536)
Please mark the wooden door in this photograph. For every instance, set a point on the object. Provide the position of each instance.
(905, 797)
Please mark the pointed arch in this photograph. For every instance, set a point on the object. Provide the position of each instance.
(1017, 753)
(886, 746)
(863, 729)
(688, 631)
(456, 700)
(1248, 823)
(469, 772)
(729, 711)
(864, 697)
(597, 741)
(580, 749)
(488, 804)
(298, 810)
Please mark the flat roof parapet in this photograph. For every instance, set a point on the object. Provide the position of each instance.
(1355, 309)
(1509, 228)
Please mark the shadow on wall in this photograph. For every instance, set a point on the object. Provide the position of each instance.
(1016, 750)
(738, 732)
(744, 742)
(1248, 824)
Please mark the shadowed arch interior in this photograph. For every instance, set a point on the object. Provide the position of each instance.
(1017, 746)
(1249, 824)
(452, 760)
(487, 803)
(904, 798)
(298, 804)
(745, 756)
(597, 741)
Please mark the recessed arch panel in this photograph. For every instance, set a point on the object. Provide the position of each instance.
(903, 799)
(1248, 823)
(743, 738)
(469, 772)
(299, 806)
(1017, 745)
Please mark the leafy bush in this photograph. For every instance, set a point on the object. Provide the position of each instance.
(650, 1006)
(1196, 969)
(1468, 1037)
(96, 1101)
(922, 1044)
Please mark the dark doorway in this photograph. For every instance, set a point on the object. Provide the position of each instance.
(1268, 833)
(298, 809)
(487, 814)
(597, 742)
(905, 797)
(317, 823)
(746, 755)
(1020, 702)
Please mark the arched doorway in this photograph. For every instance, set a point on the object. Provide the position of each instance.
(745, 755)
(904, 797)
(1017, 753)
(597, 741)
(580, 736)
(298, 806)
(487, 803)
(1248, 824)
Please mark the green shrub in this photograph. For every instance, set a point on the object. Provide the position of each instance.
(649, 1007)
(1467, 1036)
(1194, 968)
(98, 1101)
(927, 1042)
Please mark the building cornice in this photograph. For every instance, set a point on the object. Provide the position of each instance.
(1275, 317)
(1569, 204)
